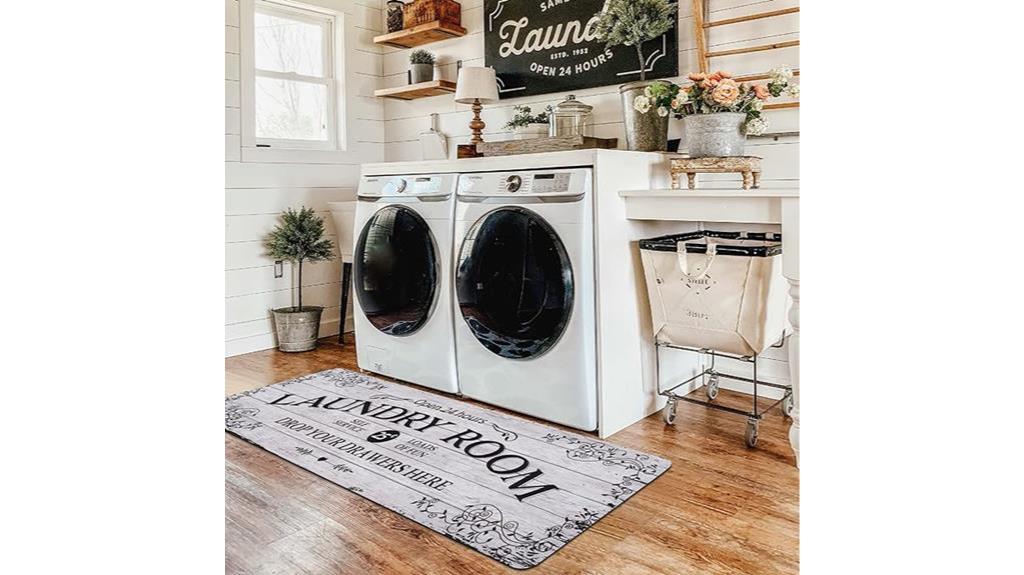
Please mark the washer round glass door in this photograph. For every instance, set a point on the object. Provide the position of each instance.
(396, 270)
(514, 283)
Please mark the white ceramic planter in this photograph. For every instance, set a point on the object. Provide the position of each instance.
(530, 132)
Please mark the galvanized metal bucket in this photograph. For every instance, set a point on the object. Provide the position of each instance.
(645, 132)
(715, 135)
(297, 330)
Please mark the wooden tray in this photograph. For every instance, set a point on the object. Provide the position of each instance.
(541, 145)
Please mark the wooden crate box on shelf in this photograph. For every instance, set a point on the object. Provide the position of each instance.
(422, 11)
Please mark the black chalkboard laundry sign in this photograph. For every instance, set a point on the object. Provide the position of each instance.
(545, 46)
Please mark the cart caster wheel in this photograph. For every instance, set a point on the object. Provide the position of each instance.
(787, 406)
(669, 412)
(711, 389)
(751, 434)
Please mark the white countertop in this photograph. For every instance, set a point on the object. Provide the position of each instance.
(569, 158)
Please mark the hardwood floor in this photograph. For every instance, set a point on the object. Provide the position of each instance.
(721, 508)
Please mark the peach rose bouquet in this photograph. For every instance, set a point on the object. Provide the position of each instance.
(719, 92)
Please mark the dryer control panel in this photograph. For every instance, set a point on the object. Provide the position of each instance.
(396, 186)
(558, 182)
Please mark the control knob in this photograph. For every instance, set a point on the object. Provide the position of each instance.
(398, 184)
(513, 183)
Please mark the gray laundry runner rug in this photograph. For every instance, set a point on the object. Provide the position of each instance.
(513, 490)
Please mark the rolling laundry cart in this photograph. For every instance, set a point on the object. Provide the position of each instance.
(719, 294)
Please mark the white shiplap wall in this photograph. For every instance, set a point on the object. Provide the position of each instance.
(404, 120)
(260, 184)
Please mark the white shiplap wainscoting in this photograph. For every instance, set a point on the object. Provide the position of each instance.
(260, 183)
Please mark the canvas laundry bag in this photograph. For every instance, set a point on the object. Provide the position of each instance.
(716, 290)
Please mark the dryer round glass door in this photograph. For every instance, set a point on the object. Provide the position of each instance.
(514, 283)
(396, 270)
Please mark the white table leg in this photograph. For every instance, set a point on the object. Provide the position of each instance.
(794, 366)
(791, 271)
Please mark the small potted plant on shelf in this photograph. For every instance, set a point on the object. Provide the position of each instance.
(298, 238)
(524, 125)
(718, 112)
(421, 66)
(631, 23)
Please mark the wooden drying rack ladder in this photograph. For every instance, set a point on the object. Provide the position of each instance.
(701, 25)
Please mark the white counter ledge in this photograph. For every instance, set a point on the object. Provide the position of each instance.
(756, 206)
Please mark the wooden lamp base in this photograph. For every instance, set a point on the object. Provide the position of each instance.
(476, 125)
(467, 151)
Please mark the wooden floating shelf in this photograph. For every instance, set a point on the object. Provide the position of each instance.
(414, 91)
(420, 35)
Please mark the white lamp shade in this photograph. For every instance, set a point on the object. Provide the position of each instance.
(476, 83)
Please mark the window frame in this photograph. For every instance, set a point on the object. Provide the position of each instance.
(333, 24)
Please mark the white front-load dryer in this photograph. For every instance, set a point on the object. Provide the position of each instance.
(401, 276)
(524, 329)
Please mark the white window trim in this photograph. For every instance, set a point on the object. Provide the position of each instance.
(294, 150)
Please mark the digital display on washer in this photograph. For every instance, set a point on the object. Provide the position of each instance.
(544, 177)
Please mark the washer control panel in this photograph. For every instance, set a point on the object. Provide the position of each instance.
(559, 182)
(417, 185)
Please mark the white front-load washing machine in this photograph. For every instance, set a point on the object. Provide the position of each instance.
(524, 332)
(401, 276)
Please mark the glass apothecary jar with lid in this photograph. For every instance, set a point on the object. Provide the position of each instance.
(570, 118)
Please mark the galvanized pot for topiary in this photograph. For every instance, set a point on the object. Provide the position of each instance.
(645, 132)
(297, 330)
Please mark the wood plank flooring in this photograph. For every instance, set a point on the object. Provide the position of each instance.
(720, 509)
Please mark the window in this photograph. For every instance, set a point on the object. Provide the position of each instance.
(291, 77)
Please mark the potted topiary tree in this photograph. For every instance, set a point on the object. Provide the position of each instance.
(298, 238)
(631, 23)
(421, 64)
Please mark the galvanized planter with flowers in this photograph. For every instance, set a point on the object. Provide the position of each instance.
(718, 112)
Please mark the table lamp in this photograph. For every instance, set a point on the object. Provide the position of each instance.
(477, 86)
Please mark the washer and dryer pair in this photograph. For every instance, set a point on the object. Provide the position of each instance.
(481, 284)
